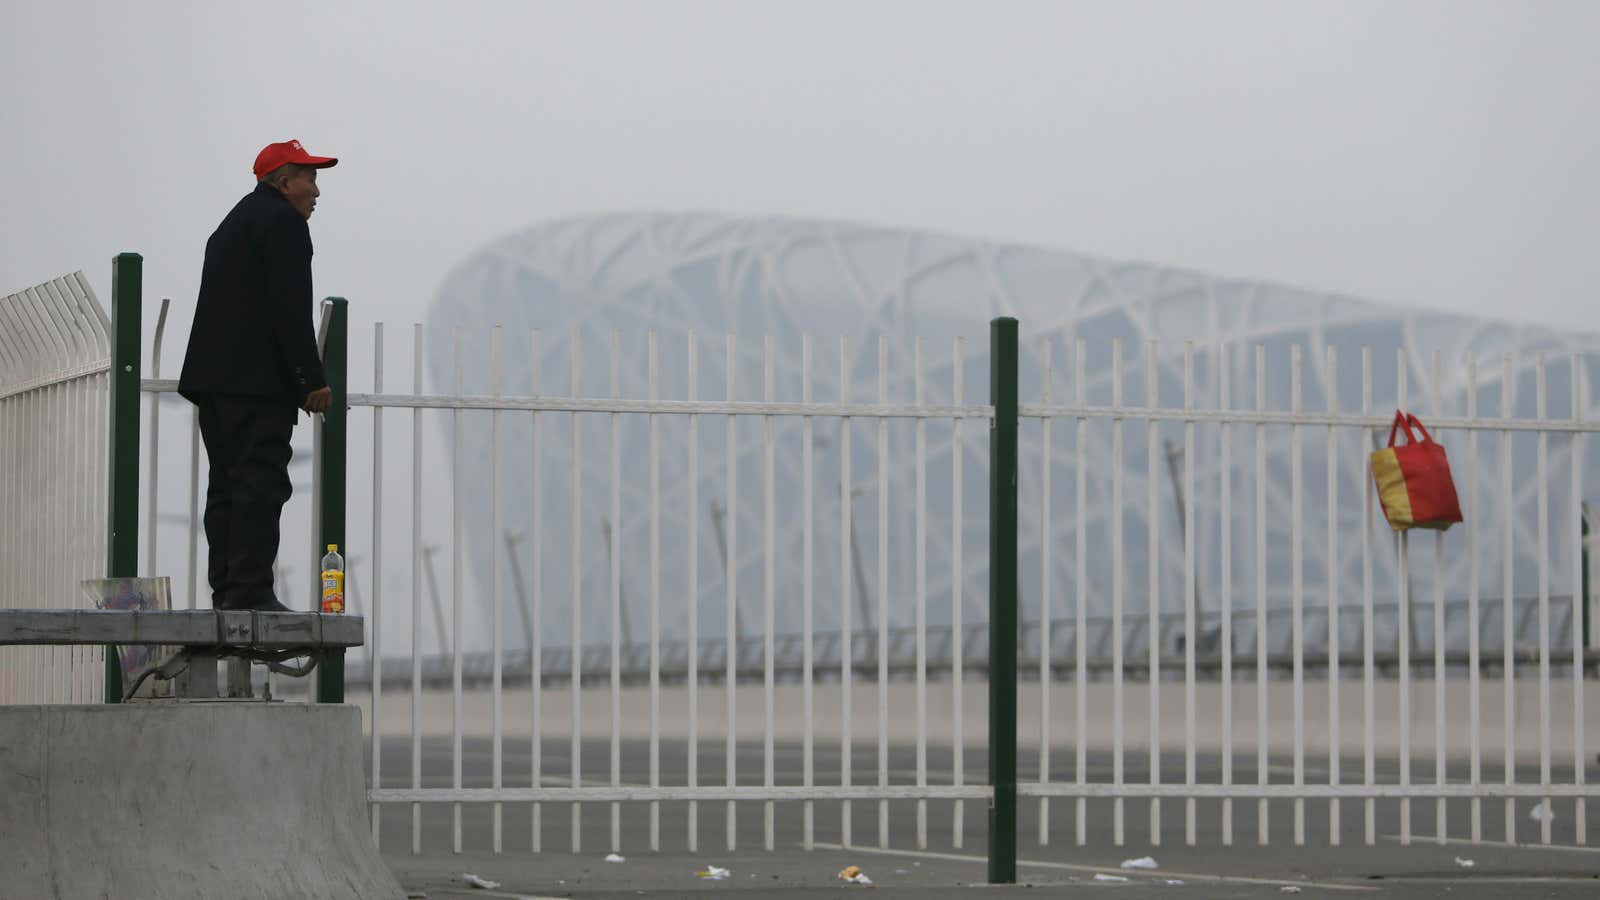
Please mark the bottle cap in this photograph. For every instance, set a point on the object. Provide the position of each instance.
(333, 548)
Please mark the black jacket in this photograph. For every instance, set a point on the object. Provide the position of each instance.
(252, 330)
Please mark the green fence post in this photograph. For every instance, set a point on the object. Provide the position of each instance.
(122, 496)
(1003, 602)
(335, 362)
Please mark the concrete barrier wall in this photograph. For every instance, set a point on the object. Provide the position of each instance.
(185, 801)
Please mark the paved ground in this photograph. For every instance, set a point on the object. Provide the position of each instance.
(1060, 868)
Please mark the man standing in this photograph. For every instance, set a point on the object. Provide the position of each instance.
(252, 362)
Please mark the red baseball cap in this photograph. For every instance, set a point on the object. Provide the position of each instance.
(274, 155)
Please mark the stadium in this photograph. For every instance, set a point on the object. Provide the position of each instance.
(706, 276)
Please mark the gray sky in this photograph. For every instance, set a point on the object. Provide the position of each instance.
(1434, 154)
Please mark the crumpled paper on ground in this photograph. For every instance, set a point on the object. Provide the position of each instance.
(854, 875)
(477, 882)
(1101, 876)
(1466, 863)
(1143, 862)
(615, 857)
(714, 873)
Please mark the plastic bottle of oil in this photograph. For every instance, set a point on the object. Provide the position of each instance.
(333, 581)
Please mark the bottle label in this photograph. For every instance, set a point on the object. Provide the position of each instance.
(333, 592)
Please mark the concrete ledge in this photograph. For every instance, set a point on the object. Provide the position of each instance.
(186, 801)
(191, 627)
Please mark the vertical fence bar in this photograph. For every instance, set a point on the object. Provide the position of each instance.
(1153, 589)
(1003, 603)
(1225, 502)
(1297, 594)
(768, 596)
(1331, 387)
(334, 431)
(497, 597)
(957, 592)
(1368, 687)
(883, 590)
(1508, 610)
(536, 598)
(9, 448)
(654, 359)
(1580, 599)
(375, 672)
(1474, 640)
(416, 587)
(1045, 428)
(1541, 400)
(47, 526)
(1080, 643)
(730, 575)
(1117, 762)
(693, 556)
(846, 630)
(1403, 634)
(122, 496)
(807, 479)
(1190, 596)
(456, 573)
(46, 538)
(575, 613)
(614, 552)
(152, 542)
(921, 611)
(194, 506)
(1261, 593)
(1441, 826)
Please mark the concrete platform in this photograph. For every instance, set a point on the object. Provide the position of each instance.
(186, 800)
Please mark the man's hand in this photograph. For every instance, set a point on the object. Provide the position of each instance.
(318, 400)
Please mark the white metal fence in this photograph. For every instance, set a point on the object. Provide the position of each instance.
(524, 480)
(1299, 652)
(1263, 513)
(54, 364)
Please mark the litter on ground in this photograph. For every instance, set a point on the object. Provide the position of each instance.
(1101, 876)
(713, 873)
(1289, 889)
(1466, 863)
(477, 882)
(1143, 862)
(1542, 812)
(615, 857)
(854, 875)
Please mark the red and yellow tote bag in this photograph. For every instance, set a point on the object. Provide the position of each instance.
(1413, 479)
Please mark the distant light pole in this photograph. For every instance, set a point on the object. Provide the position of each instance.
(512, 539)
(722, 548)
(1208, 639)
(433, 589)
(622, 595)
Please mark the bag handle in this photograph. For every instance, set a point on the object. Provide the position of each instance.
(1401, 420)
(1408, 421)
(1414, 421)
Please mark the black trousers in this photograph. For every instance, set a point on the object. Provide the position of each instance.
(247, 442)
